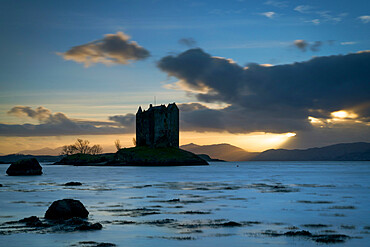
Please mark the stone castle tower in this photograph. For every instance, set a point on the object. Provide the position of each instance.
(158, 126)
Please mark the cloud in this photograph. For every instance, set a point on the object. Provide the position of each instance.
(278, 4)
(325, 15)
(316, 46)
(330, 18)
(124, 120)
(269, 14)
(273, 99)
(233, 119)
(303, 45)
(364, 18)
(58, 124)
(304, 9)
(188, 42)
(300, 44)
(348, 43)
(42, 114)
(314, 21)
(112, 49)
(189, 107)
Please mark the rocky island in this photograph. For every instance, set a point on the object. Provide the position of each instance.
(157, 143)
(136, 156)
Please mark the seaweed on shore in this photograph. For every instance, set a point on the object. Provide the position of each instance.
(34, 224)
(319, 238)
(135, 212)
(92, 244)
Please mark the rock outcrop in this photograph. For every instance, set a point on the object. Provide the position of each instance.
(146, 156)
(73, 184)
(85, 159)
(137, 156)
(24, 167)
(66, 209)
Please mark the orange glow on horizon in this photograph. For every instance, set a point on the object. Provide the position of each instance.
(253, 142)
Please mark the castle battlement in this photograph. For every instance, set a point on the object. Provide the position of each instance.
(158, 126)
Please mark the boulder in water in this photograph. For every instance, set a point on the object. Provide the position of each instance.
(24, 167)
(73, 184)
(66, 209)
(231, 223)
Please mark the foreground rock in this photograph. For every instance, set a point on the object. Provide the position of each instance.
(137, 156)
(36, 225)
(24, 167)
(66, 209)
(73, 184)
(65, 215)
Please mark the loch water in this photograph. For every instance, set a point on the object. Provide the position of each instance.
(193, 206)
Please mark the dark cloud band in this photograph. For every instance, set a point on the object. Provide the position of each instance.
(58, 124)
(277, 98)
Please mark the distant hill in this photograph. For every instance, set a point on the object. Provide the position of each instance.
(225, 152)
(222, 151)
(41, 158)
(346, 151)
(207, 158)
(42, 151)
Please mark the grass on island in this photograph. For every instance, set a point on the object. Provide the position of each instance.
(76, 159)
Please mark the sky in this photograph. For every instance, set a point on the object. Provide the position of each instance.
(255, 74)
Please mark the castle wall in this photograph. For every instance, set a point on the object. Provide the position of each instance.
(144, 128)
(173, 121)
(158, 126)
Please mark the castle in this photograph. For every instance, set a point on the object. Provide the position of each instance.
(158, 126)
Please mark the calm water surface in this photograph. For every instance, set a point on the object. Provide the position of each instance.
(321, 197)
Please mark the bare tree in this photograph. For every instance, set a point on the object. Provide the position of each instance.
(68, 150)
(117, 143)
(82, 146)
(134, 141)
(65, 150)
(96, 149)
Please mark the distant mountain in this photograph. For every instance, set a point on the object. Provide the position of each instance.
(42, 151)
(339, 152)
(345, 151)
(207, 158)
(15, 157)
(222, 151)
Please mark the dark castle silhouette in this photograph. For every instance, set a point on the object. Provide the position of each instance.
(158, 126)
